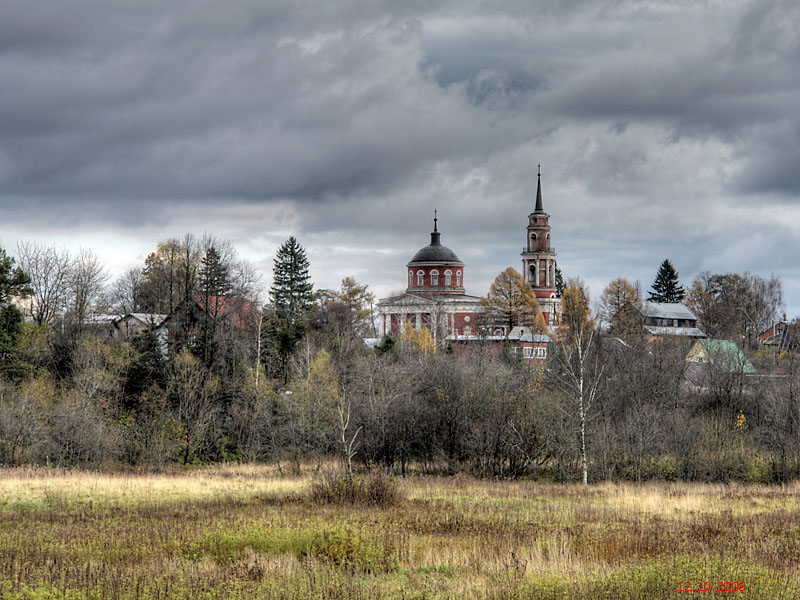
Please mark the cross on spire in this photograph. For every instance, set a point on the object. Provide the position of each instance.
(435, 219)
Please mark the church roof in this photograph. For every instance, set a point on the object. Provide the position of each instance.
(539, 207)
(435, 252)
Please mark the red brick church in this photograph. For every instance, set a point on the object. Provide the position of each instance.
(436, 296)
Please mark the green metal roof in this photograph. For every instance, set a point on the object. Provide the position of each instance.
(727, 355)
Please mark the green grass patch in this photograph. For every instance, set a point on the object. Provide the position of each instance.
(338, 545)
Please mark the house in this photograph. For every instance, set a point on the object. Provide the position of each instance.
(722, 354)
(777, 336)
(135, 324)
(670, 318)
(531, 347)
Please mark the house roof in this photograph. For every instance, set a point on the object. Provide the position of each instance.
(428, 299)
(154, 319)
(727, 356)
(523, 334)
(686, 331)
(668, 310)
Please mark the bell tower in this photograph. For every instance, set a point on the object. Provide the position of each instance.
(539, 259)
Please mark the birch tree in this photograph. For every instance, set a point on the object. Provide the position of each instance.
(580, 365)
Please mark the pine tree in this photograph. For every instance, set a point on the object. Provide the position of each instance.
(292, 297)
(291, 291)
(214, 275)
(666, 287)
(559, 282)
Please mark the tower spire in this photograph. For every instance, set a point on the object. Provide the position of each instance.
(435, 235)
(539, 207)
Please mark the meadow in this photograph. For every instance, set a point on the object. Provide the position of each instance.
(247, 532)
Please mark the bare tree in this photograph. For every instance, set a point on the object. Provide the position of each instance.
(125, 295)
(49, 269)
(87, 278)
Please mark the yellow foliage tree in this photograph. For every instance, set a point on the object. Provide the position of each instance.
(418, 339)
(511, 299)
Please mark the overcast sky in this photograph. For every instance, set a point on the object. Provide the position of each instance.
(664, 130)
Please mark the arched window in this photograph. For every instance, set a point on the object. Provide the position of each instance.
(420, 278)
(411, 279)
(434, 277)
(448, 278)
(458, 278)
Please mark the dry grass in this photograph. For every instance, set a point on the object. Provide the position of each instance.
(243, 532)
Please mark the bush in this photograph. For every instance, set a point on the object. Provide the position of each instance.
(375, 489)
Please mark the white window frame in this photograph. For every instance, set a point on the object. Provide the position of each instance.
(448, 278)
(527, 352)
(434, 277)
(411, 279)
(458, 278)
(541, 352)
(420, 278)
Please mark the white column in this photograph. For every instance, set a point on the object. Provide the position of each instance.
(418, 319)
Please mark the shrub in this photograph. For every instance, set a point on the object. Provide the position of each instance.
(337, 487)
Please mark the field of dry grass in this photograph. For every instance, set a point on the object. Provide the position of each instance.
(245, 532)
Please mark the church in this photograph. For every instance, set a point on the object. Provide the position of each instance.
(436, 297)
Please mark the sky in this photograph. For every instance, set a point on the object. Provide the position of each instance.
(664, 130)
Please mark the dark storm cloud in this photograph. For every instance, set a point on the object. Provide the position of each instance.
(347, 122)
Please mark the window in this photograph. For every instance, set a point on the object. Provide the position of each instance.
(434, 277)
(448, 278)
(411, 279)
(458, 278)
(467, 330)
(541, 352)
(420, 278)
(526, 352)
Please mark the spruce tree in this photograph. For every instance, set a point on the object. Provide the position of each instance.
(666, 287)
(292, 297)
(214, 275)
(291, 291)
(559, 282)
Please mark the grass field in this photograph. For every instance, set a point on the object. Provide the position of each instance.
(244, 532)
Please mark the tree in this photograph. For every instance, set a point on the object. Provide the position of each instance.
(292, 297)
(87, 278)
(666, 287)
(511, 300)
(49, 270)
(620, 303)
(14, 282)
(360, 302)
(559, 282)
(291, 289)
(735, 306)
(215, 284)
(580, 366)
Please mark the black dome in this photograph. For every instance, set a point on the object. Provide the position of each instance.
(435, 253)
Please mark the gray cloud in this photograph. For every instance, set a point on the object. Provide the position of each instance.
(665, 129)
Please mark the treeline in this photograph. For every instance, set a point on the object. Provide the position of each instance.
(294, 383)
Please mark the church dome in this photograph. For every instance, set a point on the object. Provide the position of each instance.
(435, 269)
(435, 253)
